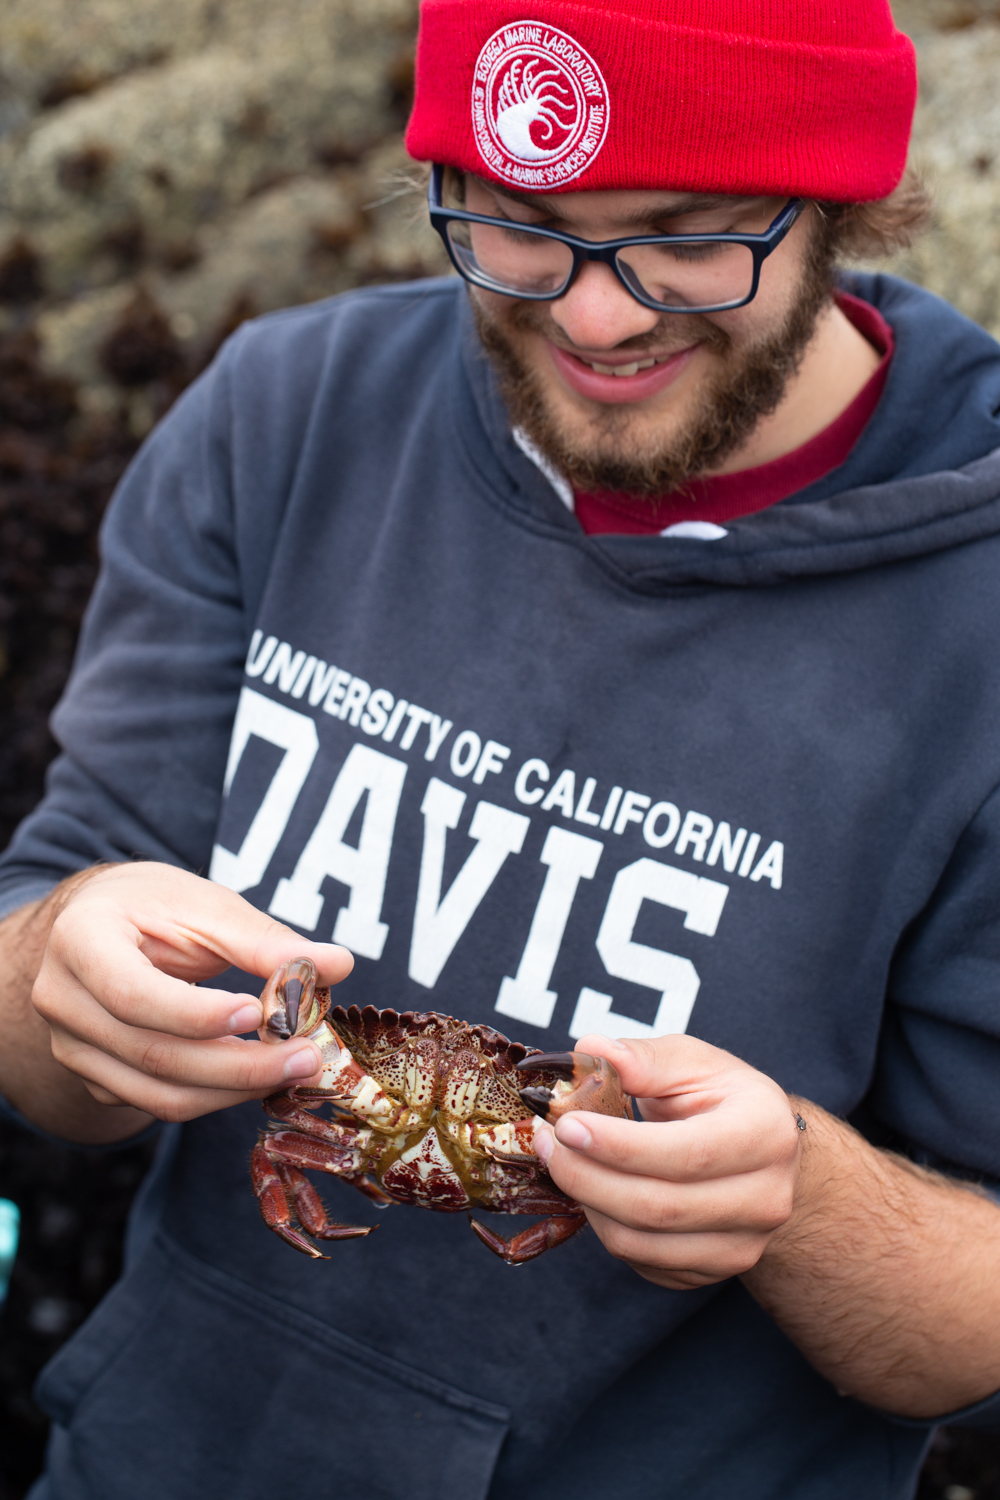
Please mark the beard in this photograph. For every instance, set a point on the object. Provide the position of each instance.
(750, 384)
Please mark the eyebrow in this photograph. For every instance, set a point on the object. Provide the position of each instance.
(688, 203)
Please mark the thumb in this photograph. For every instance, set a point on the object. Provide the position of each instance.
(658, 1067)
(192, 927)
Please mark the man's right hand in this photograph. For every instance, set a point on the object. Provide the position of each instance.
(117, 954)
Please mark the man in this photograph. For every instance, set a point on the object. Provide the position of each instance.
(630, 679)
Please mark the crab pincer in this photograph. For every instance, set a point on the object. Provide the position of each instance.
(294, 1004)
(582, 1082)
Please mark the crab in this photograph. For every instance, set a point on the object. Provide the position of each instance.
(427, 1111)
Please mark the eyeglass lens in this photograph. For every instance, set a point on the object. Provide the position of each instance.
(699, 274)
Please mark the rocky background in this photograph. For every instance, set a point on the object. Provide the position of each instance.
(167, 169)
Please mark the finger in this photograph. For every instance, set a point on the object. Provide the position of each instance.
(670, 1066)
(135, 993)
(681, 1260)
(104, 1097)
(756, 1201)
(125, 981)
(716, 1144)
(229, 1063)
(187, 957)
(163, 1101)
(196, 916)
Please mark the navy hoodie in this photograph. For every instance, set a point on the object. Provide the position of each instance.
(351, 655)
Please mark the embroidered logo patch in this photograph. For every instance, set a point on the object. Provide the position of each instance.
(540, 106)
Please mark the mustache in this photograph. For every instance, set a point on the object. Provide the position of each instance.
(672, 333)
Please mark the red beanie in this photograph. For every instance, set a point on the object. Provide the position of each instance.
(812, 98)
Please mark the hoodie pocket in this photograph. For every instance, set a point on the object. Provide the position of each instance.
(187, 1384)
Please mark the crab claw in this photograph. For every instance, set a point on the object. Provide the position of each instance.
(538, 1100)
(582, 1082)
(293, 1004)
(562, 1064)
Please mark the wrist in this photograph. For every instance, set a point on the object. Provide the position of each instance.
(833, 1159)
(31, 1079)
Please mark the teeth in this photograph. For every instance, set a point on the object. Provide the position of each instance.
(624, 371)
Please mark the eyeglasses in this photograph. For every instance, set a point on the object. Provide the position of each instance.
(679, 273)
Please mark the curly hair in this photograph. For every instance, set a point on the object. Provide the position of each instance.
(874, 231)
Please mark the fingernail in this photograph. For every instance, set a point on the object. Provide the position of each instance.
(573, 1133)
(609, 1044)
(247, 1018)
(544, 1142)
(302, 1064)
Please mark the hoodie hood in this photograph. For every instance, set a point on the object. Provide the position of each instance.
(923, 476)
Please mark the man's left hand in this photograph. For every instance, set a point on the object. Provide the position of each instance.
(693, 1194)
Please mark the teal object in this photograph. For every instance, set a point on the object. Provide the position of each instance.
(10, 1227)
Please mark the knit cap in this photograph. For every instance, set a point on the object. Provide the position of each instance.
(812, 98)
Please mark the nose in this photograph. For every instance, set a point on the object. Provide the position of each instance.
(598, 313)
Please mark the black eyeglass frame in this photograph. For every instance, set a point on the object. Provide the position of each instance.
(606, 251)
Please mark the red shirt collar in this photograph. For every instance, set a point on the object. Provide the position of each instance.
(724, 497)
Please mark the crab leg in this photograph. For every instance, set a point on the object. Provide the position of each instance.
(293, 1116)
(371, 1189)
(510, 1193)
(310, 1209)
(511, 1142)
(273, 1202)
(343, 1158)
(532, 1242)
(281, 1192)
(309, 1145)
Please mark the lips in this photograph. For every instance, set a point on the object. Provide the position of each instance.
(631, 382)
